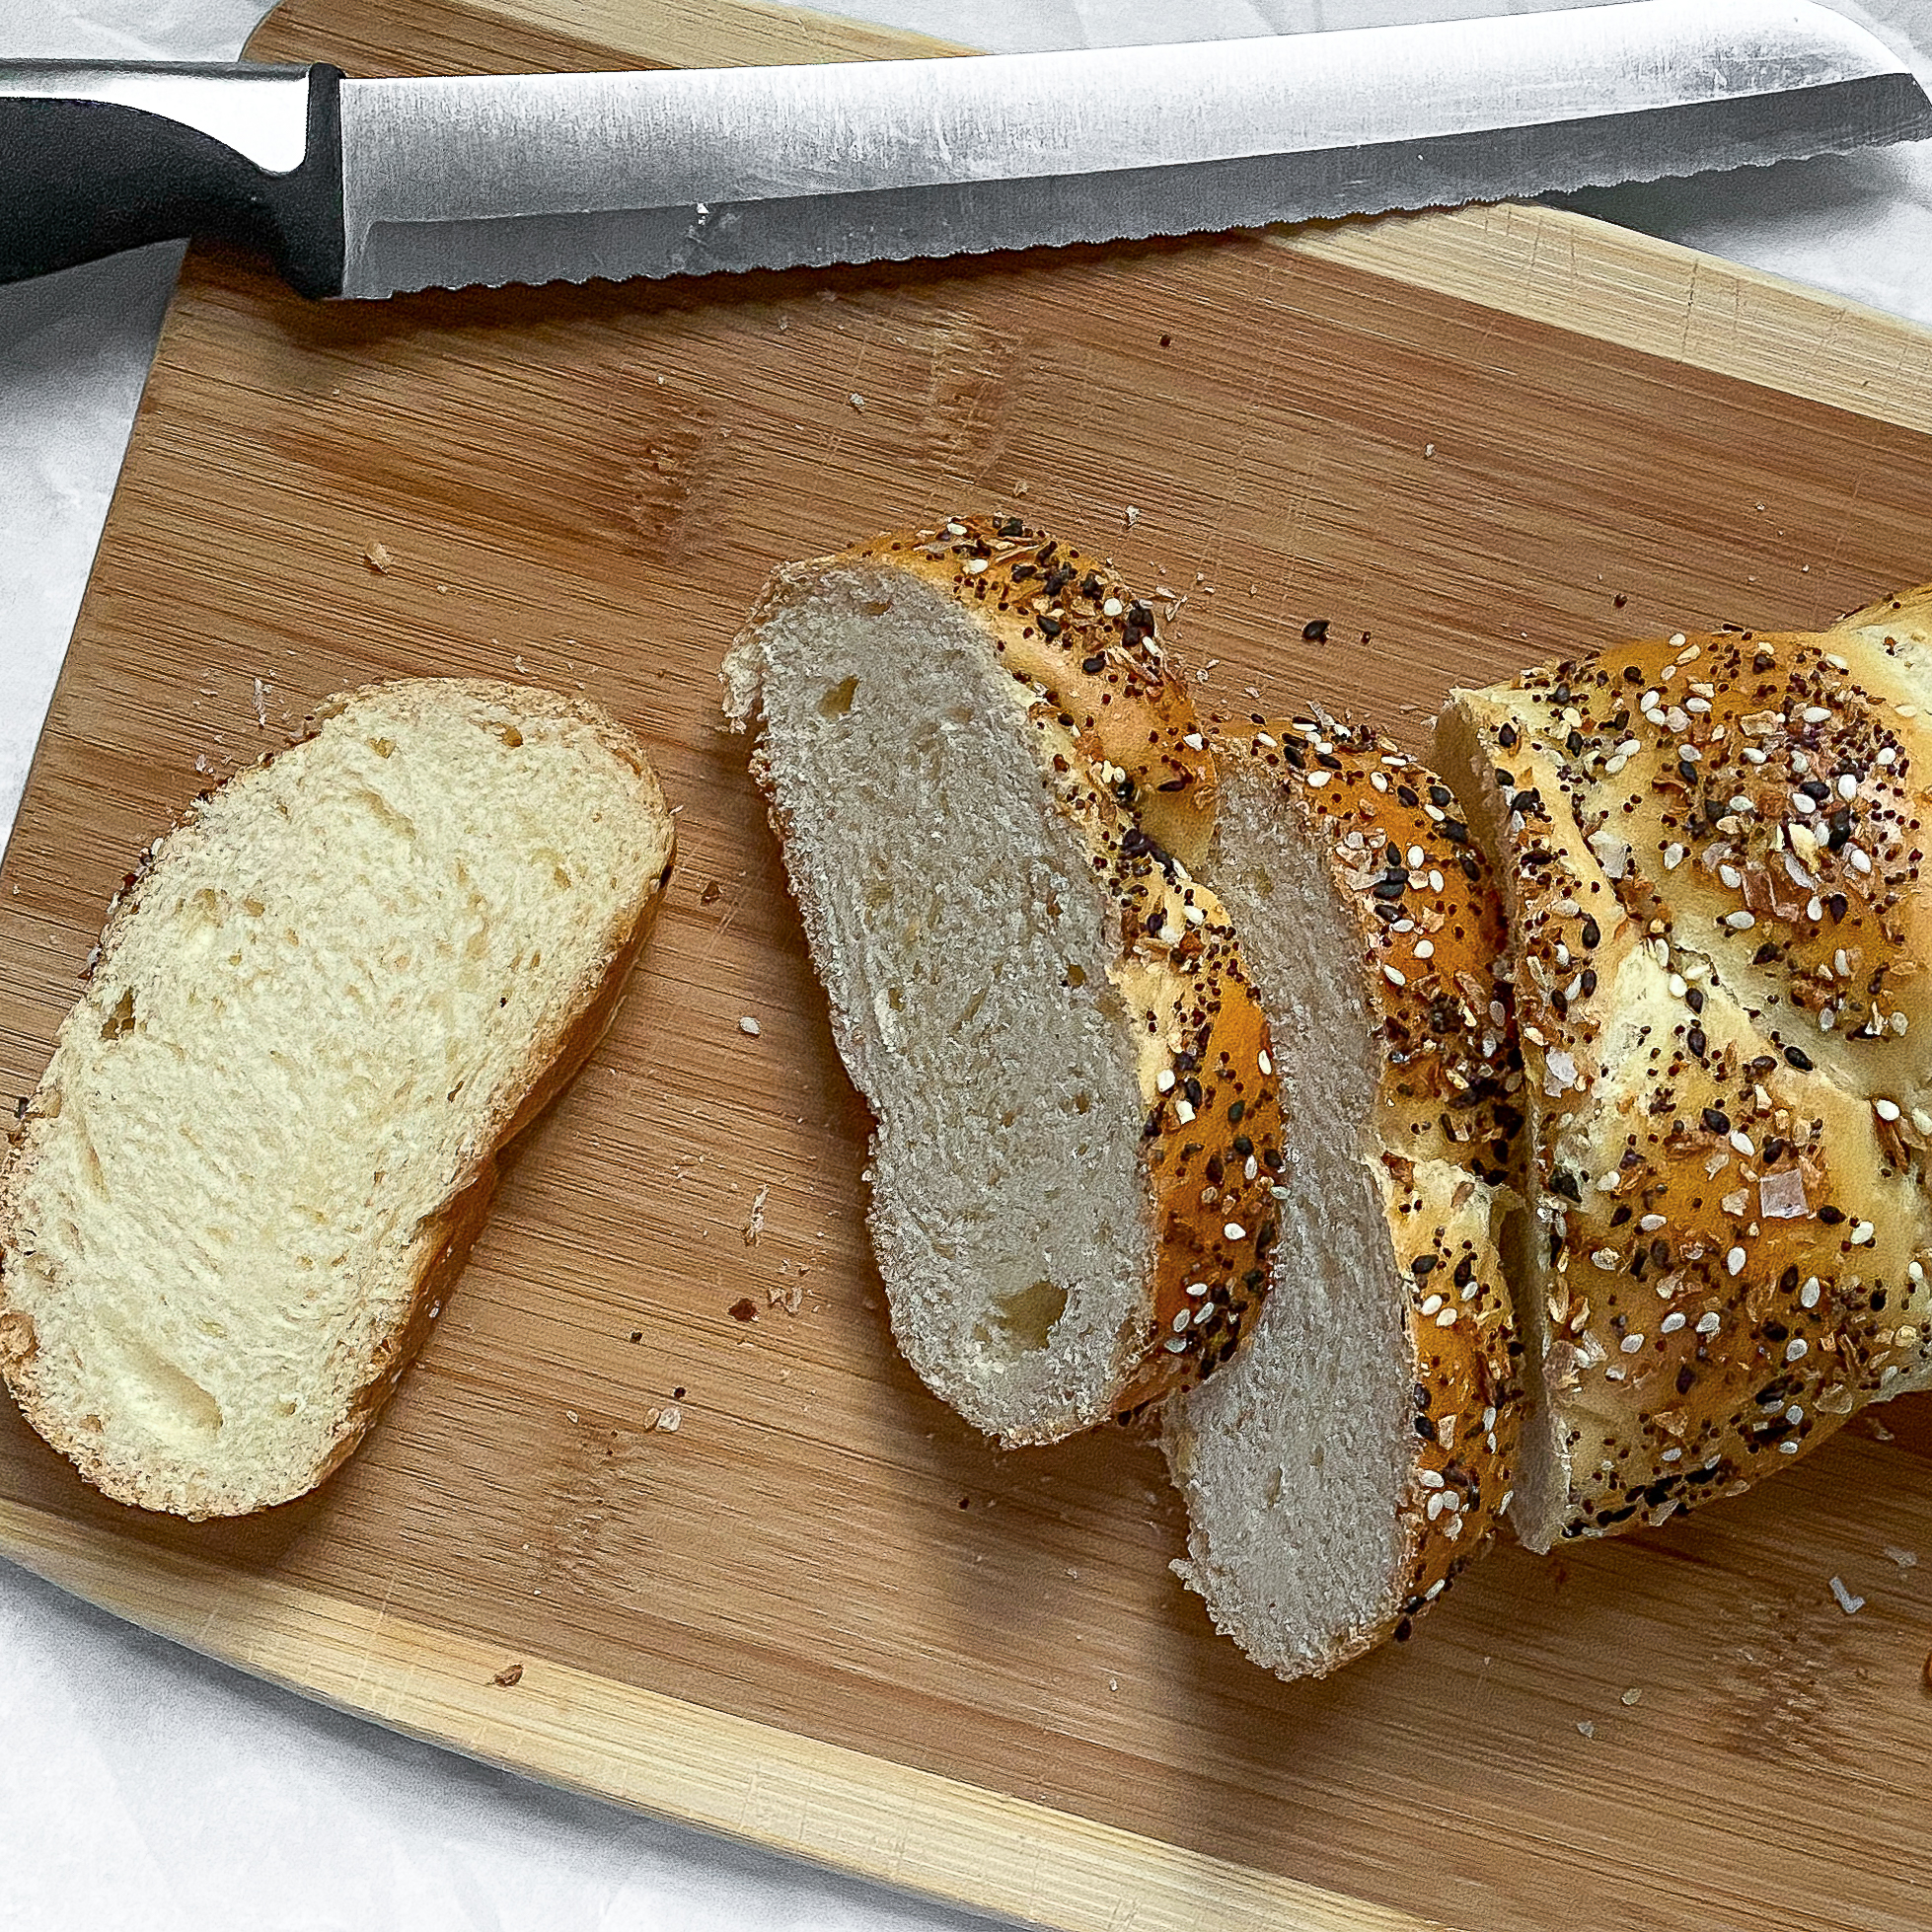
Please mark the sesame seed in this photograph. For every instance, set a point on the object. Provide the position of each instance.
(1809, 1293)
(1437, 1502)
(1671, 1455)
(1416, 858)
(1790, 1448)
(1651, 1223)
(975, 566)
(1446, 1319)
(1678, 643)
(1430, 1478)
(1914, 1272)
(1803, 803)
(1733, 1262)
(1379, 780)
(1708, 1325)
(1175, 1343)
(1393, 976)
(749, 1026)
(1886, 1109)
(1860, 859)
(1631, 1344)
(1672, 858)
(1815, 714)
(1165, 1079)
(1815, 908)
(1606, 1259)
(1194, 741)
(1671, 1324)
(1797, 1349)
(1235, 1231)
(1182, 1317)
(1195, 915)
(1429, 1306)
(1267, 743)
(1730, 876)
(1424, 948)
(1740, 1143)
(1194, 1289)
(1741, 920)
(1848, 786)
(1266, 1065)
(1112, 607)
(1862, 1233)
(1315, 778)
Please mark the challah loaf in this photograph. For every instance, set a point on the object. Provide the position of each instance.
(1360, 1450)
(270, 1128)
(1711, 850)
(991, 790)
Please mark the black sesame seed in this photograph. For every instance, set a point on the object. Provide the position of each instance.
(1697, 1043)
(1799, 1058)
(1091, 665)
(1422, 1266)
(1593, 933)
(1830, 1215)
(1315, 631)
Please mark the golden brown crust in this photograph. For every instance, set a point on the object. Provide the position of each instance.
(1125, 758)
(442, 1243)
(1714, 847)
(1429, 930)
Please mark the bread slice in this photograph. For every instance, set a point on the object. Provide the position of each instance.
(990, 787)
(1711, 848)
(1362, 1448)
(268, 1131)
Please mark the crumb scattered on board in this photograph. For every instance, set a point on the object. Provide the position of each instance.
(749, 1026)
(509, 1674)
(755, 1226)
(1850, 1605)
(1906, 1559)
(379, 558)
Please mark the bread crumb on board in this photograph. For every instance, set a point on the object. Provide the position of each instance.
(749, 1027)
(1850, 1605)
(510, 1674)
(755, 1226)
(379, 558)
(1906, 1559)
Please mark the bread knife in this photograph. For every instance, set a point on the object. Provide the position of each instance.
(372, 187)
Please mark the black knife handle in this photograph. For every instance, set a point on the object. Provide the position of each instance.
(99, 155)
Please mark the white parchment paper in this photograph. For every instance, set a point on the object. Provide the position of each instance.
(143, 1787)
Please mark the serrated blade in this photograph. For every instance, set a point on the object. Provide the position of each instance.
(542, 178)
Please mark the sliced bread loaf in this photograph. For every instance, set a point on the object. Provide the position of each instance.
(1361, 1449)
(990, 787)
(1711, 850)
(268, 1131)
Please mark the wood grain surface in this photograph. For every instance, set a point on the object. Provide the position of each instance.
(819, 1612)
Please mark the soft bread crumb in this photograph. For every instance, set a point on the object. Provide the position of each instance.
(267, 1136)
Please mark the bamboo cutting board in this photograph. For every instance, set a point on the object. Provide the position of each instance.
(818, 1613)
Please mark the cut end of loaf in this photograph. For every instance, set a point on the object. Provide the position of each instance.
(269, 1129)
(966, 948)
(1359, 1452)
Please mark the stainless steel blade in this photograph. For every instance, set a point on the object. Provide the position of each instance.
(573, 177)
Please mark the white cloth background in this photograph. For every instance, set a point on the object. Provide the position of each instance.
(144, 1788)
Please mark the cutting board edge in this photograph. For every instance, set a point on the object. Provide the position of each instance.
(783, 1792)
